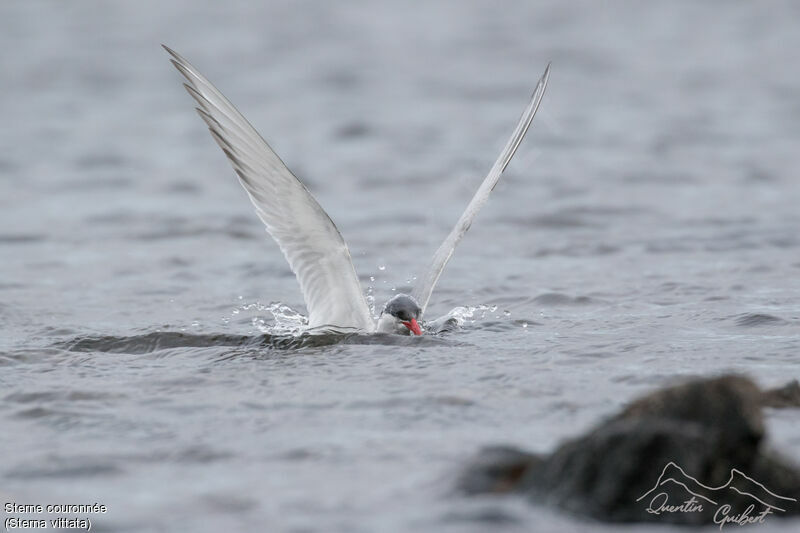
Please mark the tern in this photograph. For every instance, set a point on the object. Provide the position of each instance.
(308, 238)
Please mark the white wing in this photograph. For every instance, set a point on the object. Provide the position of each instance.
(422, 292)
(313, 246)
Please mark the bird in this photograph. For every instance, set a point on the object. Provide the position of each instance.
(311, 243)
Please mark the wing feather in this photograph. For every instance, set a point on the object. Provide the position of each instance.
(423, 291)
(308, 238)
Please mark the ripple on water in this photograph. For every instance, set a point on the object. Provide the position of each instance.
(151, 342)
(21, 238)
(501, 325)
(169, 340)
(59, 396)
(577, 217)
(577, 250)
(750, 320)
(557, 299)
(66, 467)
(43, 356)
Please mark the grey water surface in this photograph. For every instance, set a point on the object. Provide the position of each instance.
(648, 229)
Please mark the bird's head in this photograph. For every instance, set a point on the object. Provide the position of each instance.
(405, 310)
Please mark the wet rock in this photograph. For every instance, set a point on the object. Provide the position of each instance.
(687, 454)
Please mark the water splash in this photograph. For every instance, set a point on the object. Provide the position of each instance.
(283, 320)
(462, 316)
(471, 314)
(370, 297)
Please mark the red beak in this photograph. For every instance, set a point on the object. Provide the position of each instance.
(413, 326)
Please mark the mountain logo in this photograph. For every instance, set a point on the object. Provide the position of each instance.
(741, 500)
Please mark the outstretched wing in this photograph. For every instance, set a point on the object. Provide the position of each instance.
(423, 291)
(313, 246)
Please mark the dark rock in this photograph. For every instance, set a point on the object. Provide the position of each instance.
(678, 455)
(497, 469)
(786, 396)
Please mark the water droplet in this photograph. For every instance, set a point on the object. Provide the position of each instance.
(507, 313)
(372, 278)
(524, 324)
(381, 268)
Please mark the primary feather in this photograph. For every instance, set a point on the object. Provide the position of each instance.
(423, 291)
(313, 246)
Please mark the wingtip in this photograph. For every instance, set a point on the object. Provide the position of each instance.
(547, 70)
(542, 83)
(176, 57)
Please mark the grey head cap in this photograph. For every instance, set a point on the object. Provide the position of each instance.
(403, 307)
